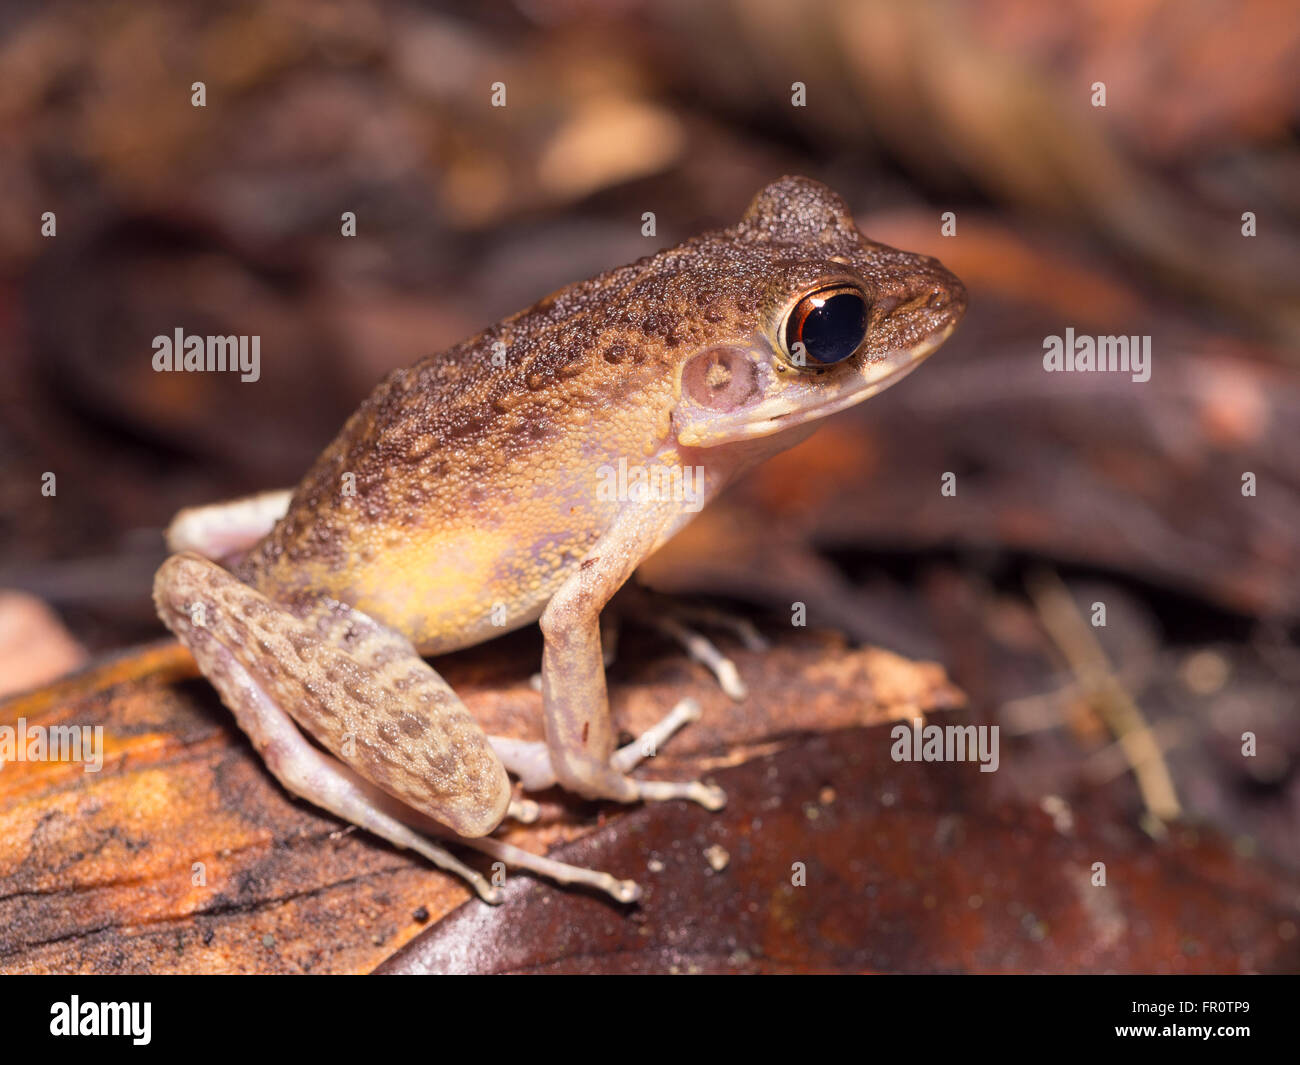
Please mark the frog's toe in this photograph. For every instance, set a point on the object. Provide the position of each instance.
(529, 760)
(647, 744)
(678, 621)
(710, 796)
(525, 811)
(706, 652)
(626, 891)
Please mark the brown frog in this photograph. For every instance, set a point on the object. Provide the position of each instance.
(522, 476)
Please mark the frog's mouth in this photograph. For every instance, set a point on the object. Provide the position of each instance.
(799, 401)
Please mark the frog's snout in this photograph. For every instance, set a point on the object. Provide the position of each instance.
(919, 316)
(934, 289)
(949, 294)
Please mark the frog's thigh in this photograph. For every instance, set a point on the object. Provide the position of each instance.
(579, 732)
(220, 529)
(359, 688)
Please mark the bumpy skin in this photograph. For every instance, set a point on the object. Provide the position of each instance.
(475, 482)
(355, 685)
(462, 499)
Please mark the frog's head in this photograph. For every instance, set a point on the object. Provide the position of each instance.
(829, 318)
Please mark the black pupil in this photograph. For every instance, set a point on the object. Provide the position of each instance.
(833, 331)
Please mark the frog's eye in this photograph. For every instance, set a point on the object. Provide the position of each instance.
(830, 324)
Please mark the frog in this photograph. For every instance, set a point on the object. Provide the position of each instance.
(470, 495)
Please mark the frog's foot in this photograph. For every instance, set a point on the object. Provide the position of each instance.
(594, 780)
(676, 620)
(530, 761)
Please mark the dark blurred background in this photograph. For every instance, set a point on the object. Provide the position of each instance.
(1125, 219)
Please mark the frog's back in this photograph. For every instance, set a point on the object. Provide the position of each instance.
(460, 495)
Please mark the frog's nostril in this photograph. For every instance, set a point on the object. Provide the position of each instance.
(941, 294)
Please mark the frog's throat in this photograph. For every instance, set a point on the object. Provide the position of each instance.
(779, 414)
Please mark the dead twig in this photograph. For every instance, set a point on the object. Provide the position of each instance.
(1066, 626)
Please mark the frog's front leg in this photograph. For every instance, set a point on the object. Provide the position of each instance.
(579, 730)
(365, 694)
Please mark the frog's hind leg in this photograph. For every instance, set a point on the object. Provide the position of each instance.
(219, 530)
(364, 694)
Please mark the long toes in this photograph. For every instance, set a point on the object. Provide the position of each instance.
(706, 652)
(710, 796)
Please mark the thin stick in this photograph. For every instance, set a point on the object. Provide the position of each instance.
(1070, 632)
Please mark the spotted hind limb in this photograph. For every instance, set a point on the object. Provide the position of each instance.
(401, 745)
